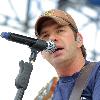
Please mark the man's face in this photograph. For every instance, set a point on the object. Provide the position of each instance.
(64, 39)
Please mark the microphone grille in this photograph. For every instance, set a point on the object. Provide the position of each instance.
(51, 46)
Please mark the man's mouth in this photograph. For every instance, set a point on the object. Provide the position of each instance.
(58, 49)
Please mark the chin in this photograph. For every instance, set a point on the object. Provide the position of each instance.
(56, 62)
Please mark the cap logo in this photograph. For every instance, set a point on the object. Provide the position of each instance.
(48, 13)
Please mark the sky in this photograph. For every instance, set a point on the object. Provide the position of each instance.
(12, 53)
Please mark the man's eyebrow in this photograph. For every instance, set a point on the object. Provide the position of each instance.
(43, 32)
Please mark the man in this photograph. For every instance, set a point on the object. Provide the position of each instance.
(70, 56)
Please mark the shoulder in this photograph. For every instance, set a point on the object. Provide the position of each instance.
(95, 74)
(96, 68)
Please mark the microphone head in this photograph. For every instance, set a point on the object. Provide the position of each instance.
(5, 35)
(51, 46)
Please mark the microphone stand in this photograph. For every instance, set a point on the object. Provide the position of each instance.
(22, 80)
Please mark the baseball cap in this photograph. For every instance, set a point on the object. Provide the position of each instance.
(59, 16)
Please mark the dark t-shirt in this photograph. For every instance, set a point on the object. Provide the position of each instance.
(66, 84)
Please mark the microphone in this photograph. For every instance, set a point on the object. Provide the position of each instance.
(37, 44)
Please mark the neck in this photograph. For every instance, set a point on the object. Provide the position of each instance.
(71, 67)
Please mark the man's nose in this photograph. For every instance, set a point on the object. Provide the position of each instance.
(53, 37)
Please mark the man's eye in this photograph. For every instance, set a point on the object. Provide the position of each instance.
(45, 36)
(59, 31)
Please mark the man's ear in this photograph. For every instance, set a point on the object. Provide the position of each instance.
(79, 40)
